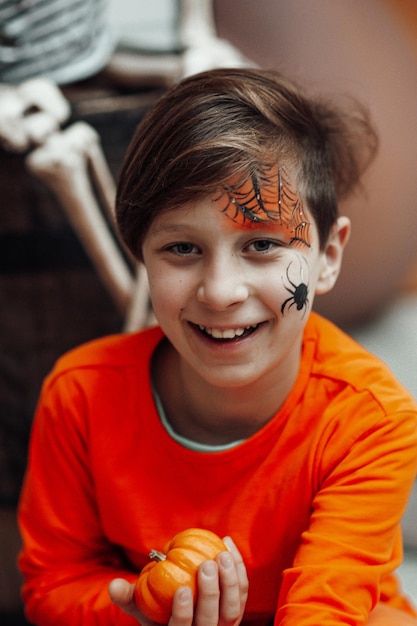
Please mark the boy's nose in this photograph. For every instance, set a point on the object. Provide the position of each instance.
(222, 287)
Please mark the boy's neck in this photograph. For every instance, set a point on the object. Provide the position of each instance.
(198, 411)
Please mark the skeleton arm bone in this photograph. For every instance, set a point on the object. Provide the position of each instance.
(62, 164)
(138, 314)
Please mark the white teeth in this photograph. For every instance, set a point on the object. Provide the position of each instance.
(229, 333)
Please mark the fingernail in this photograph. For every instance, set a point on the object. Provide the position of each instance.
(225, 560)
(229, 542)
(185, 595)
(208, 568)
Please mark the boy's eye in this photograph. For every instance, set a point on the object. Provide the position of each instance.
(262, 245)
(183, 248)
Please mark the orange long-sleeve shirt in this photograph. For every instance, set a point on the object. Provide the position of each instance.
(313, 500)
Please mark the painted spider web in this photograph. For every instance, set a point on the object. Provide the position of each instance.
(268, 196)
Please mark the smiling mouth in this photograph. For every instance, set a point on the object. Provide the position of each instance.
(229, 334)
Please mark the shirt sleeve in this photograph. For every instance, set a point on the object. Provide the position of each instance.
(66, 561)
(353, 543)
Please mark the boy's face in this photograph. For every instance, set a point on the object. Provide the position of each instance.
(232, 281)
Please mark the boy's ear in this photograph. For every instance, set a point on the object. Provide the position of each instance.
(331, 256)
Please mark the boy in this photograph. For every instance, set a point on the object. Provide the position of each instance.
(243, 412)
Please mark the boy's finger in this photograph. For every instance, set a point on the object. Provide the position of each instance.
(182, 608)
(240, 568)
(231, 602)
(122, 593)
(207, 609)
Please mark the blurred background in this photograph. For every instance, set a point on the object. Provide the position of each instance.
(62, 140)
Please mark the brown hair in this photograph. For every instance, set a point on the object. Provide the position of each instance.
(224, 123)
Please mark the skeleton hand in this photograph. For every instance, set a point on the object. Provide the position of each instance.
(30, 113)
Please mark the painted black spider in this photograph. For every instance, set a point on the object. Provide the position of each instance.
(299, 293)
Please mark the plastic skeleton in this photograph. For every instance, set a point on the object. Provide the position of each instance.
(201, 49)
(30, 113)
(72, 164)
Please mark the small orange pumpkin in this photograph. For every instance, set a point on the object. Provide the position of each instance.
(175, 567)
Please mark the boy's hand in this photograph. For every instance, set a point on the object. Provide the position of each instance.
(222, 594)
(222, 590)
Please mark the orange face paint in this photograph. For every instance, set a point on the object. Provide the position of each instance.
(268, 196)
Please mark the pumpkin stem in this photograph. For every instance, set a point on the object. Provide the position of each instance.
(157, 556)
